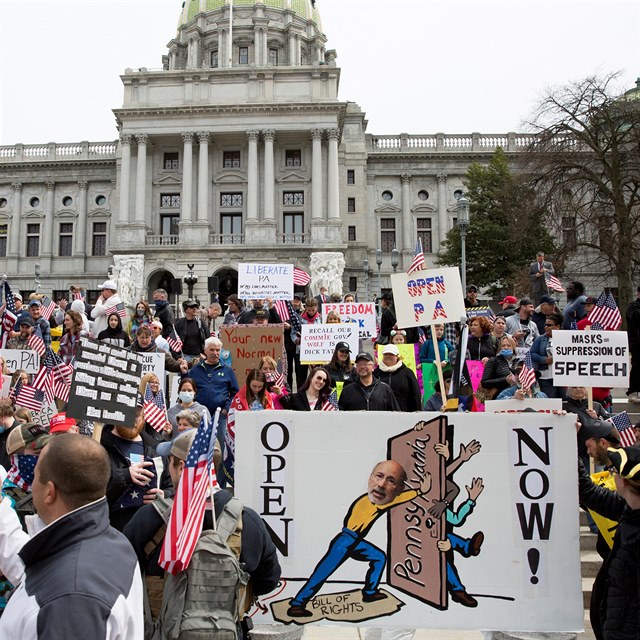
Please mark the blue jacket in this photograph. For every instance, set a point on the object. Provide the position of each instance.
(539, 353)
(428, 354)
(217, 385)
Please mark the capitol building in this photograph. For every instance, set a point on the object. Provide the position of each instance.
(238, 149)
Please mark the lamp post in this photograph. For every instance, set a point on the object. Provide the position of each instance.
(38, 273)
(463, 225)
(190, 279)
(365, 266)
(379, 263)
(395, 259)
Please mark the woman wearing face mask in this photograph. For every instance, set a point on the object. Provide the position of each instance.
(186, 393)
(142, 316)
(500, 372)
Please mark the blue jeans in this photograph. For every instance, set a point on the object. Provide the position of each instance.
(346, 544)
(461, 545)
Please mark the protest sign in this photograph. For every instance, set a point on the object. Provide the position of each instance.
(407, 353)
(21, 359)
(153, 363)
(361, 313)
(6, 386)
(524, 572)
(105, 383)
(318, 341)
(428, 297)
(48, 410)
(480, 312)
(247, 344)
(257, 281)
(590, 359)
(540, 405)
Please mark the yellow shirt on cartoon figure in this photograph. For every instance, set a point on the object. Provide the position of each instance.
(364, 513)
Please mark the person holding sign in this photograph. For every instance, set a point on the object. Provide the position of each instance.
(542, 356)
(340, 368)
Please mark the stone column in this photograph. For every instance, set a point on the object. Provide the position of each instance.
(269, 175)
(125, 175)
(407, 230)
(14, 231)
(203, 177)
(141, 178)
(252, 176)
(316, 174)
(333, 192)
(441, 179)
(187, 177)
(292, 49)
(81, 231)
(47, 233)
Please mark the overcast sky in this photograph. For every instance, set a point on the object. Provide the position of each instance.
(413, 66)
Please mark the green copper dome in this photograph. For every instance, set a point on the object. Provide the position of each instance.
(303, 8)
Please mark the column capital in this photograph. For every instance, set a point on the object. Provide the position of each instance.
(16, 186)
(333, 134)
(50, 185)
(269, 134)
(405, 178)
(187, 137)
(252, 136)
(142, 138)
(83, 184)
(125, 138)
(316, 134)
(441, 178)
(203, 137)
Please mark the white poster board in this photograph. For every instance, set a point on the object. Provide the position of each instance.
(526, 575)
(426, 297)
(257, 281)
(21, 359)
(318, 341)
(153, 363)
(362, 314)
(540, 405)
(590, 359)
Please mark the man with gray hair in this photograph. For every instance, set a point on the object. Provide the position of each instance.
(216, 383)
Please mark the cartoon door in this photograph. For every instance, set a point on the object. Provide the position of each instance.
(415, 565)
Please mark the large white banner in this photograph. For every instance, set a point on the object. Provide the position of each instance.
(590, 359)
(357, 545)
(362, 314)
(428, 297)
(318, 341)
(257, 281)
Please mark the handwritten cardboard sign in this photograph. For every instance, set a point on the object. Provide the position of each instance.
(362, 314)
(256, 281)
(21, 359)
(318, 341)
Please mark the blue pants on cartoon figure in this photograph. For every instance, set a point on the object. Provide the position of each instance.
(345, 545)
(461, 545)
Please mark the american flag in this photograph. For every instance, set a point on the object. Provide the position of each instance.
(417, 263)
(331, 403)
(61, 376)
(574, 325)
(36, 343)
(77, 295)
(185, 523)
(174, 341)
(28, 396)
(154, 415)
(527, 375)
(117, 308)
(48, 307)
(276, 378)
(10, 315)
(553, 282)
(606, 312)
(300, 277)
(282, 309)
(625, 429)
(596, 326)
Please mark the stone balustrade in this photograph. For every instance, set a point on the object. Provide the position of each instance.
(58, 152)
(441, 142)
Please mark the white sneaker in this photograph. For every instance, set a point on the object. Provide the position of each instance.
(634, 397)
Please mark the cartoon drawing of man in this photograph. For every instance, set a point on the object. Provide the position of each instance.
(384, 491)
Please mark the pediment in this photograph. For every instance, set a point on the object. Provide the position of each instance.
(100, 213)
(33, 215)
(66, 214)
(423, 208)
(230, 178)
(169, 180)
(388, 208)
(293, 176)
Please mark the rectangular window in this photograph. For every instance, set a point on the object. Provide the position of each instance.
(569, 237)
(353, 283)
(387, 234)
(352, 233)
(33, 240)
(292, 198)
(213, 61)
(66, 239)
(231, 199)
(351, 176)
(273, 57)
(293, 227)
(169, 225)
(171, 160)
(170, 200)
(243, 55)
(351, 205)
(231, 227)
(99, 239)
(293, 157)
(3, 240)
(231, 159)
(423, 226)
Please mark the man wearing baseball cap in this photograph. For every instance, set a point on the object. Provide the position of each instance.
(367, 393)
(108, 299)
(21, 339)
(508, 305)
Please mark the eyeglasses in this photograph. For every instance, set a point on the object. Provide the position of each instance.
(548, 324)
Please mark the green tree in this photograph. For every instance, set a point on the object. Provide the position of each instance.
(506, 228)
(585, 167)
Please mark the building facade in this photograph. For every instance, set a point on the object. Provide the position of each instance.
(237, 150)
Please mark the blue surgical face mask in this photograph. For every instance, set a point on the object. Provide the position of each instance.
(507, 353)
(186, 396)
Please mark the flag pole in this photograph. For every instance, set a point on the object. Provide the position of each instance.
(212, 442)
(436, 348)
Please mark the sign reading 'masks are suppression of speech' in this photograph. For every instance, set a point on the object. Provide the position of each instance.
(590, 358)
(426, 297)
(257, 281)
(105, 383)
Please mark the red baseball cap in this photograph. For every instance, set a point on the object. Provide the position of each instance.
(509, 300)
(59, 423)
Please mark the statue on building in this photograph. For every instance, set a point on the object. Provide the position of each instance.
(128, 272)
(326, 271)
